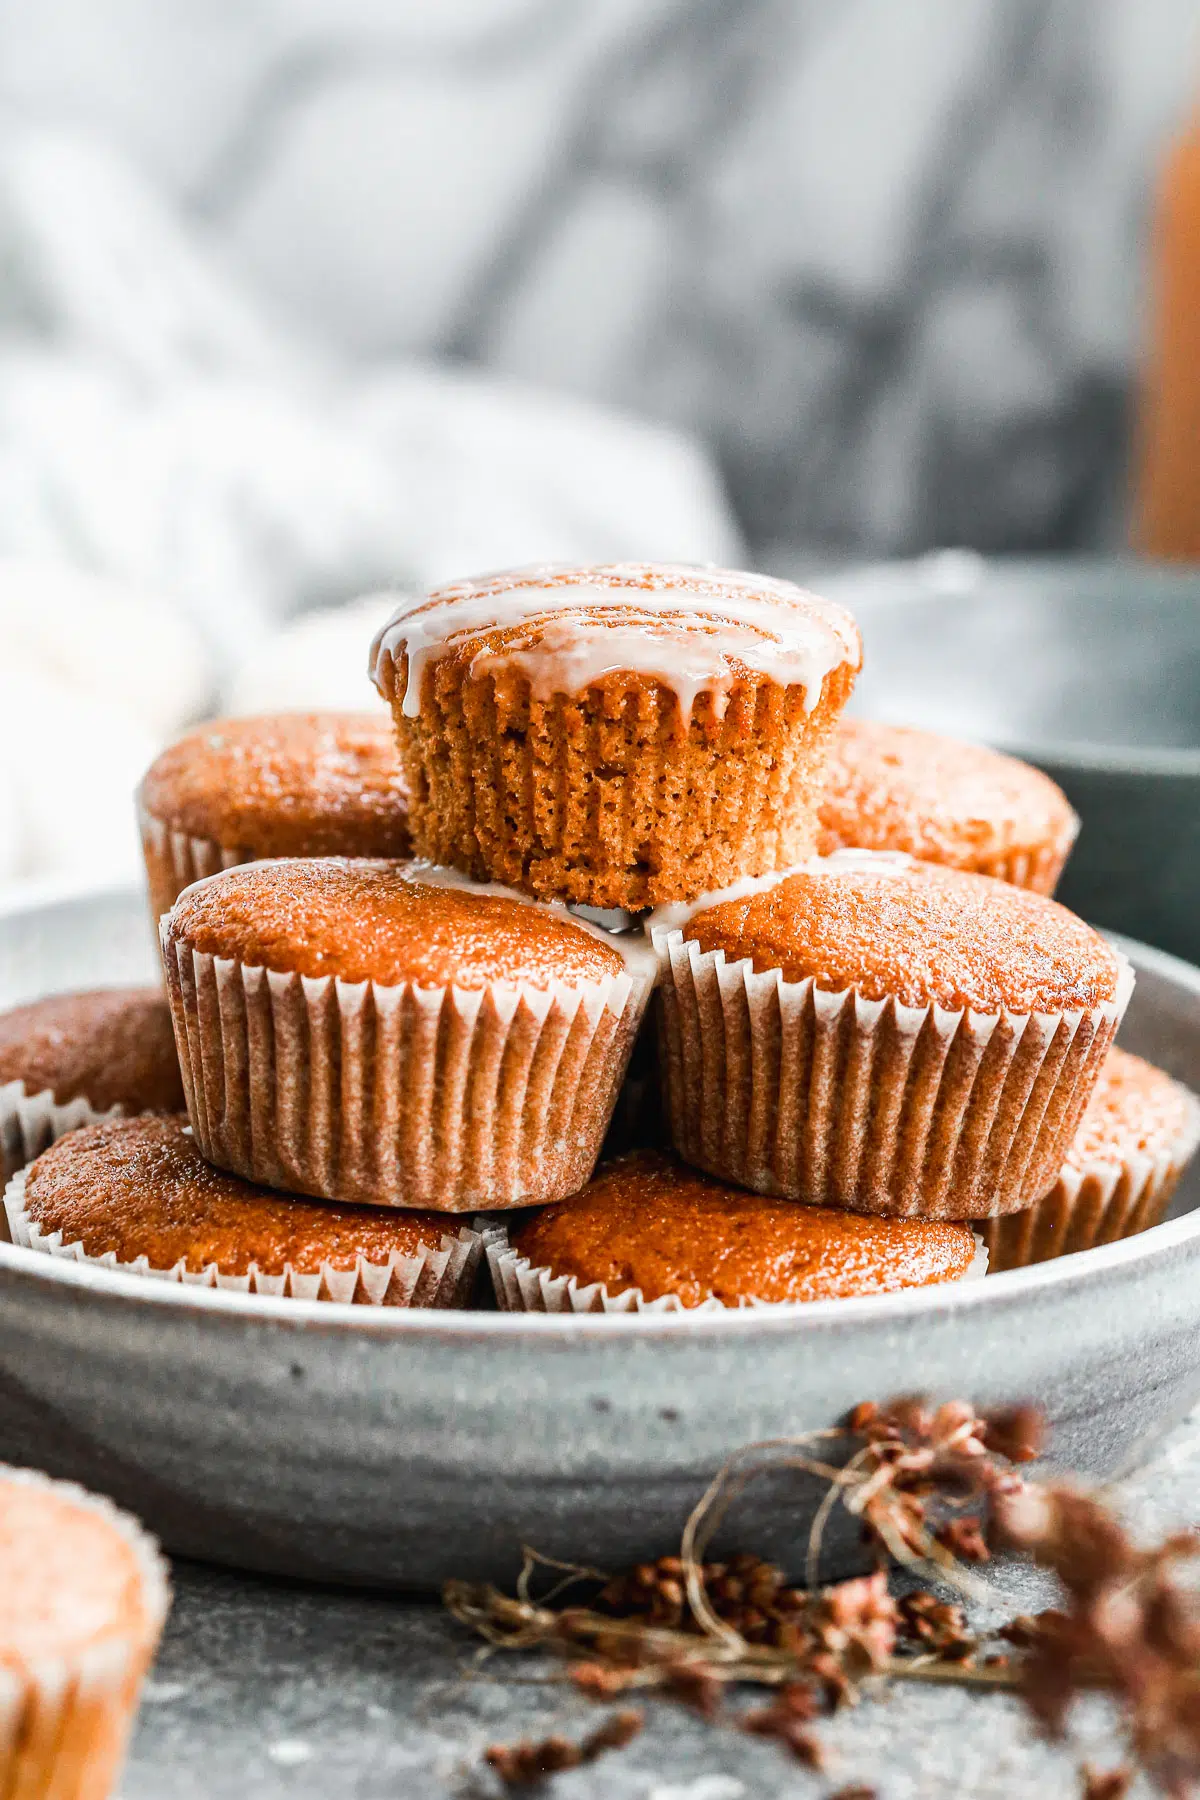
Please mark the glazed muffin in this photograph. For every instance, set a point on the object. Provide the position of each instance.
(74, 1058)
(891, 788)
(1134, 1141)
(885, 1035)
(137, 1194)
(287, 784)
(618, 735)
(648, 1232)
(83, 1599)
(386, 1033)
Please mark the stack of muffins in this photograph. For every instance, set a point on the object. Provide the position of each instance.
(407, 964)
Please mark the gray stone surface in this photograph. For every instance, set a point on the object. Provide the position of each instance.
(265, 1691)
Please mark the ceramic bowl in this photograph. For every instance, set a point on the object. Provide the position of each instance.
(401, 1448)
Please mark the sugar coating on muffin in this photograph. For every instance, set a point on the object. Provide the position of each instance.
(140, 1187)
(69, 1578)
(286, 784)
(916, 933)
(108, 1046)
(690, 629)
(890, 787)
(1135, 1110)
(619, 735)
(650, 1223)
(375, 920)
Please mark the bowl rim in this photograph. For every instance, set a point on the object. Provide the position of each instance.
(909, 581)
(152, 1297)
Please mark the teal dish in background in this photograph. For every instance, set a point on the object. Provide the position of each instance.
(1090, 669)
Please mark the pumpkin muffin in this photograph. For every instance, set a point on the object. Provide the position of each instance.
(286, 784)
(648, 1232)
(388, 1033)
(619, 735)
(885, 1035)
(83, 1599)
(137, 1194)
(892, 788)
(1134, 1141)
(74, 1058)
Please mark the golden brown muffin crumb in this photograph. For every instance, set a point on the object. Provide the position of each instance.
(889, 787)
(286, 784)
(377, 921)
(109, 1046)
(917, 933)
(651, 1223)
(1135, 1108)
(140, 1187)
(68, 1578)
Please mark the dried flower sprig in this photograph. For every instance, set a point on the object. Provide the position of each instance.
(936, 1490)
(524, 1764)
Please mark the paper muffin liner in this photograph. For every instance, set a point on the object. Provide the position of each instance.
(174, 860)
(1038, 869)
(30, 1123)
(448, 1099)
(444, 1277)
(65, 1720)
(1094, 1204)
(520, 1287)
(869, 1105)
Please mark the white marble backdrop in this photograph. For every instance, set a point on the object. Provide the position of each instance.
(884, 255)
(300, 296)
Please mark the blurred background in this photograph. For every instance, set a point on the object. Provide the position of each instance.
(300, 298)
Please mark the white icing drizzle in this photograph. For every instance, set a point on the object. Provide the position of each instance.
(632, 946)
(675, 913)
(684, 630)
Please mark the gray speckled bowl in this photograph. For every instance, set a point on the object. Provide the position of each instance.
(400, 1448)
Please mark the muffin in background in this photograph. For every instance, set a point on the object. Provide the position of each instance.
(619, 735)
(1139, 1133)
(390, 1034)
(889, 787)
(136, 1194)
(647, 1232)
(72, 1059)
(884, 1035)
(83, 1600)
(283, 784)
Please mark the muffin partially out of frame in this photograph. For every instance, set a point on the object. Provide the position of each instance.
(386, 1033)
(284, 784)
(884, 1035)
(83, 1599)
(136, 1194)
(71, 1059)
(888, 787)
(618, 735)
(1139, 1133)
(647, 1232)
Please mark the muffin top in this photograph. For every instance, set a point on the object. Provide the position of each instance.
(648, 1222)
(891, 788)
(690, 628)
(69, 1576)
(140, 1187)
(1134, 1108)
(288, 784)
(379, 921)
(915, 932)
(110, 1047)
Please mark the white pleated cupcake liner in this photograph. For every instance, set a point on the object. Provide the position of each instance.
(174, 860)
(522, 1287)
(869, 1105)
(65, 1719)
(445, 1277)
(30, 1123)
(448, 1099)
(1095, 1203)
